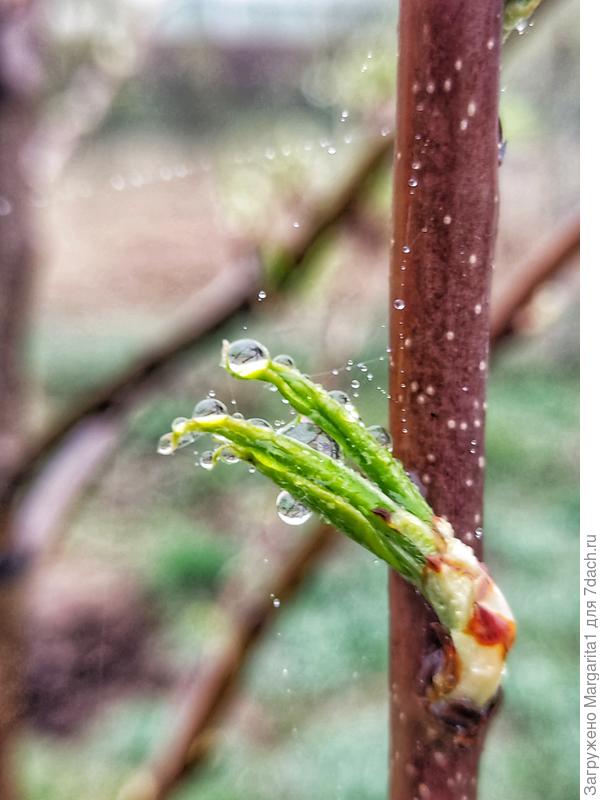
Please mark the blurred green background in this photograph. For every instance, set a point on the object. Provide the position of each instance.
(230, 123)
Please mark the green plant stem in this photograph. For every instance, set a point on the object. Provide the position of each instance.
(333, 490)
(312, 401)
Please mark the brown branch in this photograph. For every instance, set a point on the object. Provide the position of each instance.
(445, 196)
(205, 703)
(208, 699)
(230, 294)
(552, 255)
(79, 109)
(20, 74)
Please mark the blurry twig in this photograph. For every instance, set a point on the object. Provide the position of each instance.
(208, 698)
(81, 107)
(229, 295)
(206, 702)
(553, 254)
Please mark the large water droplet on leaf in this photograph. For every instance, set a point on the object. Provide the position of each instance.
(206, 460)
(310, 434)
(227, 456)
(209, 407)
(165, 445)
(260, 423)
(284, 360)
(246, 356)
(292, 511)
(381, 435)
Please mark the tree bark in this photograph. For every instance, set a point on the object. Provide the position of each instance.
(444, 225)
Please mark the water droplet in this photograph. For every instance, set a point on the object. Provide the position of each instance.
(284, 360)
(447, 219)
(291, 511)
(276, 602)
(344, 400)
(206, 460)
(295, 224)
(261, 295)
(246, 356)
(344, 115)
(165, 445)
(430, 88)
(5, 206)
(472, 259)
(413, 182)
(178, 424)
(450, 335)
(209, 407)
(399, 304)
(472, 108)
(117, 182)
(406, 249)
(491, 44)
(227, 456)
(464, 124)
(381, 435)
(260, 423)
(447, 84)
(355, 384)
(310, 434)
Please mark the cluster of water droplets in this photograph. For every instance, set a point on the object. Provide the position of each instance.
(245, 357)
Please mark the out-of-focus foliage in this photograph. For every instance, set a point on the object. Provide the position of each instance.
(214, 143)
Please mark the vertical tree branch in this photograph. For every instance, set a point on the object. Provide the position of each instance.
(445, 200)
(19, 72)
